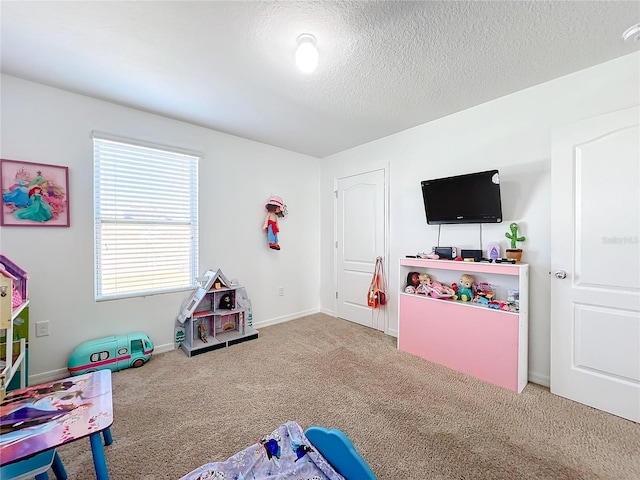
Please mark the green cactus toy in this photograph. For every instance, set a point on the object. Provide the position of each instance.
(513, 236)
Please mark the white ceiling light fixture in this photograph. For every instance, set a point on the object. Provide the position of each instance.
(307, 53)
(632, 33)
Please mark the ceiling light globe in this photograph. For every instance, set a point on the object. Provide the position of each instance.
(307, 54)
(632, 34)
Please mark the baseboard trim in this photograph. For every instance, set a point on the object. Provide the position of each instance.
(285, 318)
(544, 380)
(50, 376)
(53, 375)
(167, 347)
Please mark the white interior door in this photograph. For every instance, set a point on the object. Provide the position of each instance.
(595, 230)
(360, 238)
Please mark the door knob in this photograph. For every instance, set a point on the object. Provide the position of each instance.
(561, 274)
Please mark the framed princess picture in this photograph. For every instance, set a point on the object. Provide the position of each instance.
(34, 194)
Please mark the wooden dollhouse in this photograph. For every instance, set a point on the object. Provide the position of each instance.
(14, 324)
(216, 315)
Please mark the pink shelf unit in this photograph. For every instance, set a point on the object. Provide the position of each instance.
(488, 344)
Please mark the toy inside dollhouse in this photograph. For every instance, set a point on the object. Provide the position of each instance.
(215, 315)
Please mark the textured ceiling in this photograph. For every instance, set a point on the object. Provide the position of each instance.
(384, 66)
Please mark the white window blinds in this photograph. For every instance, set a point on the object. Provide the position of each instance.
(146, 219)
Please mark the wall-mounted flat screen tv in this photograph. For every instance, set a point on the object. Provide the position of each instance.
(471, 198)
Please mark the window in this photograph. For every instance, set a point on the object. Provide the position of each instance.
(96, 357)
(136, 346)
(146, 219)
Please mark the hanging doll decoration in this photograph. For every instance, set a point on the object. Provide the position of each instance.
(275, 208)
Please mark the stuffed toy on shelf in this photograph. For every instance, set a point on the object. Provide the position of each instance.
(465, 288)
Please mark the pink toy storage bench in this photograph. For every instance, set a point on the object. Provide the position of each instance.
(487, 344)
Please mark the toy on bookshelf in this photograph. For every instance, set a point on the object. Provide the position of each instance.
(439, 289)
(484, 292)
(422, 288)
(14, 324)
(493, 251)
(514, 252)
(422, 283)
(513, 296)
(19, 276)
(465, 288)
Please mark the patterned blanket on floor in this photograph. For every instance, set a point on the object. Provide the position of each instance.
(284, 454)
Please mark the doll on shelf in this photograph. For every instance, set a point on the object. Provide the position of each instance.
(422, 287)
(275, 208)
(413, 280)
(438, 289)
(465, 289)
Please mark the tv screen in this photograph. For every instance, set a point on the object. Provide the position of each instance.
(471, 198)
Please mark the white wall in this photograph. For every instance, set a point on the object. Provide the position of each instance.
(43, 124)
(48, 125)
(513, 134)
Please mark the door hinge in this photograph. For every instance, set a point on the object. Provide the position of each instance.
(336, 192)
(336, 295)
(336, 244)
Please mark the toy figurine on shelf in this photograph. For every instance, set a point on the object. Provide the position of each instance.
(465, 288)
(514, 252)
(413, 280)
(439, 290)
(202, 333)
(423, 281)
(484, 292)
(275, 208)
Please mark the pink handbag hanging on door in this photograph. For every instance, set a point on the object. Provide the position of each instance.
(377, 294)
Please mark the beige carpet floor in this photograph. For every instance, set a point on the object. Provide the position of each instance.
(409, 418)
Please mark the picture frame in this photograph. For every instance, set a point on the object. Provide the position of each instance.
(34, 194)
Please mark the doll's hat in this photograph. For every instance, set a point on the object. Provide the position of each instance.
(278, 202)
(275, 200)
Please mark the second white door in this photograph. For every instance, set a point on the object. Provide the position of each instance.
(360, 234)
(595, 259)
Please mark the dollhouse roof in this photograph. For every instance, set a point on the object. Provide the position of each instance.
(4, 272)
(12, 268)
(210, 278)
(218, 277)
